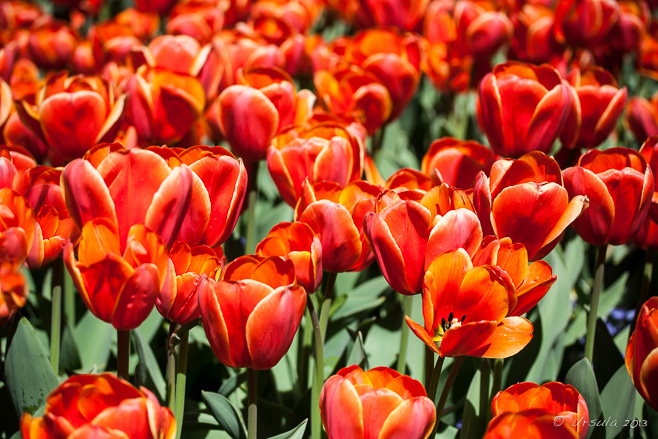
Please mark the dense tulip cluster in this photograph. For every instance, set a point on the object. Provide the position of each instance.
(110, 166)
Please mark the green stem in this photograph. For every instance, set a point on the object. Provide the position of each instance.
(318, 377)
(378, 139)
(327, 296)
(404, 337)
(171, 368)
(55, 327)
(251, 212)
(497, 378)
(429, 366)
(594, 307)
(181, 378)
(252, 398)
(303, 353)
(485, 371)
(123, 354)
(434, 381)
(446, 391)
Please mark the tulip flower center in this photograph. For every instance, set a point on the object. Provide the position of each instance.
(451, 323)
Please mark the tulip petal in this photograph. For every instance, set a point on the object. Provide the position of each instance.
(649, 378)
(467, 339)
(422, 333)
(341, 410)
(482, 295)
(508, 338)
(413, 419)
(377, 404)
(457, 229)
(548, 119)
(214, 323)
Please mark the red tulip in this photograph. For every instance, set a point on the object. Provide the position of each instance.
(466, 310)
(557, 399)
(585, 23)
(403, 15)
(595, 112)
(619, 185)
(51, 45)
(298, 243)
(530, 424)
(523, 108)
(100, 406)
(251, 315)
(533, 35)
(642, 117)
(178, 300)
(13, 292)
(17, 225)
(524, 200)
(378, 403)
(456, 162)
(642, 353)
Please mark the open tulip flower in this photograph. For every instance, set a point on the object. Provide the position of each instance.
(298, 243)
(118, 287)
(524, 200)
(522, 107)
(595, 112)
(178, 299)
(619, 185)
(529, 424)
(336, 214)
(457, 162)
(530, 282)
(466, 310)
(554, 398)
(379, 403)
(318, 152)
(100, 406)
(642, 353)
(252, 313)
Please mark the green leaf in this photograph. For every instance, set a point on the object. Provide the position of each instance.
(295, 433)
(149, 363)
(94, 337)
(28, 373)
(581, 376)
(230, 384)
(226, 414)
(618, 401)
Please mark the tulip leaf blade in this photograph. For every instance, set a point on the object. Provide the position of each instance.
(581, 376)
(226, 414)
(94, 337)
(295, 433)
(618, 401)
(29, 376)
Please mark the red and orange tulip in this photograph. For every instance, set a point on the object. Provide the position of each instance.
(466, 310)
(595, 112)
(51, 45)
(456, 162)
(178, 299)
(619, 185)
(118, 287)
(13, 292)
(524, 200)
(100, 406)
(378, 403)
(553, 398)
(522, 108)
(252, 313)
(642, 353)
(298, 243)
(322, 152)
(529, 424)
(17, 226)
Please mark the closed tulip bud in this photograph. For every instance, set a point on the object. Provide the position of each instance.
(403, 15)
(100, 406)
(51, 46)
(456, 162)
(642, 353)
(522, 108)
(533, 35)
(619, 185)
(554, 398)
(585, 23)
(642, 117)
(264, 293)
(378, 403)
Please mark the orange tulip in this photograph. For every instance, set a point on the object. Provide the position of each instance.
(523, 108)
(466, 310)
(13, 292)
(456, 162)
(619, 185)
(530, 282)
(318, 152)
(298, 243)
(251, 315)
(100, 406)
(585, 23)
(118, 288)
(17, 226)
(378, 403)
(642, 353)
(524, 200)
(529, 424)
(178, 299)
(336, 214)
(595, 112)
(554, 398)
(54, 226)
